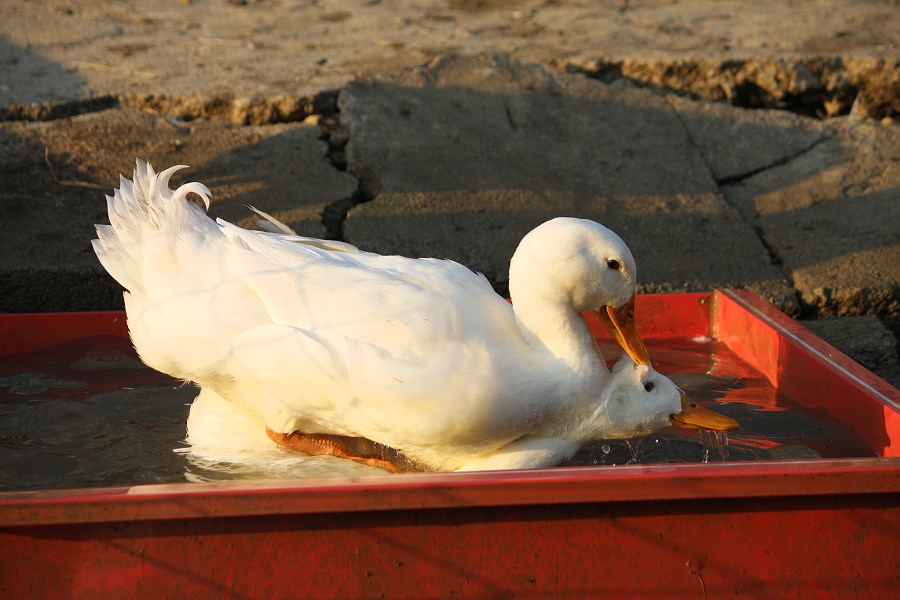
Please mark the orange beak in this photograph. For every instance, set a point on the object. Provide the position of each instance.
(694, 416)
(621, 324)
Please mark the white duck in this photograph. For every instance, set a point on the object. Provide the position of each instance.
(311, 344)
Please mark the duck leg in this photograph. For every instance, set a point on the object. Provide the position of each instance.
(316, 445)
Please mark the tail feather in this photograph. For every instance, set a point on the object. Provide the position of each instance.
(270, 223)
(121, 265)
(142, 207)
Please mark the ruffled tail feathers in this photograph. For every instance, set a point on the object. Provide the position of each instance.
(144, 204)
(148, 201)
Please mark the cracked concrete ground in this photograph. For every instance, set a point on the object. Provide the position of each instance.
(727, 147)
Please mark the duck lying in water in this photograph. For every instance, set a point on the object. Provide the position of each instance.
(312, 344)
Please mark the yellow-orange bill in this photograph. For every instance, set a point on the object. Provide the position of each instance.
(694, 416)
(621, 324)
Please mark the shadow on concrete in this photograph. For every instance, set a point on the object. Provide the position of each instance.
(836, 227)
(28, 77)
(469, 171)
(451, 171)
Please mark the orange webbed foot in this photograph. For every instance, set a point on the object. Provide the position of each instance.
(315, 445)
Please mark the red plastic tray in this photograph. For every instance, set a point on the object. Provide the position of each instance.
(822, 528)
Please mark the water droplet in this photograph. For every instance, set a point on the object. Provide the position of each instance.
(635, 449)
(606, 449)
(722, 444)
(715, 445)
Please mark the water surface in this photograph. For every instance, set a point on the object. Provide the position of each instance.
(88, 413)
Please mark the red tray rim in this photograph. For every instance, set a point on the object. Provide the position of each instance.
(570, 485)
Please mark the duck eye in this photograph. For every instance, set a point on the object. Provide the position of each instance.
(648, 387)
(613, 264)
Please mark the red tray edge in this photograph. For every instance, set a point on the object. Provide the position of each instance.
(814, 345)
(573, 485)
(802, 366)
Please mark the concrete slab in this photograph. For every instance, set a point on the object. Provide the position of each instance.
(736, 143)
(865, 339)
(57, 173)
(465, 156)
(831, 217)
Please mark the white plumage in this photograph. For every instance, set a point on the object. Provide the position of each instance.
(296, 334)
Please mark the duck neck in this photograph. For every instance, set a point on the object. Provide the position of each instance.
(559, 330)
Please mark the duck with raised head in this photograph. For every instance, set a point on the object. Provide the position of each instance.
(311, 344)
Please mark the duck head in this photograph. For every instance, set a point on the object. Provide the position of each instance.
(640, 401)
(589, 266)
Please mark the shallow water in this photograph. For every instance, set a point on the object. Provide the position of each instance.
(773, 426)
(88, 413)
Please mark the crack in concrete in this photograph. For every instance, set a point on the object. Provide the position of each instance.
(776, 163)
(509, 117)
(334, 215)
(774, 257)
(806, 309)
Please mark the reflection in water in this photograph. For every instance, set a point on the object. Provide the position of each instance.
(772, 426)
(87, 413)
